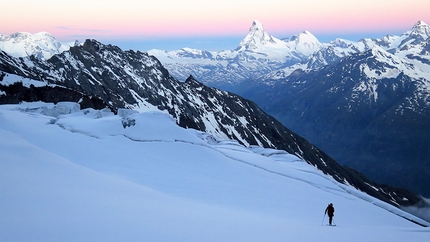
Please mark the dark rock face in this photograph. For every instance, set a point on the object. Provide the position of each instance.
(369, 124)
(108, 76)
(17, 93)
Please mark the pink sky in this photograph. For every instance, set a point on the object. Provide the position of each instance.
(131, 19)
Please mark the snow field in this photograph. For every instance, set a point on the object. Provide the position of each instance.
(82, 176)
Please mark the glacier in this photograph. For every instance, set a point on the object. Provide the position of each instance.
(80, 175)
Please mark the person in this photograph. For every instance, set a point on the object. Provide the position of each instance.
(330, 212)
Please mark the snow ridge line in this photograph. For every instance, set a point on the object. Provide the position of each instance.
(244, 162)
(282, 174)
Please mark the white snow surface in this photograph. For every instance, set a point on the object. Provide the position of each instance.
(42, 45)
(10, 79)
(82, 175)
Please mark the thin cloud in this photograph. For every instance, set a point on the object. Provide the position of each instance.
(70, 28)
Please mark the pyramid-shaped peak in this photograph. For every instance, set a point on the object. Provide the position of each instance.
(420, 28)
(257, 30)
(419, 23)
(257, 25)
(257, 37)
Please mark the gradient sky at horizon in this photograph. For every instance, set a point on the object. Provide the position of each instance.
(210, 25)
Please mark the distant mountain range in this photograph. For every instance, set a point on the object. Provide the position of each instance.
(377, 91)
(261, 56)
(41, 45)
(258, 54)
(104, 76)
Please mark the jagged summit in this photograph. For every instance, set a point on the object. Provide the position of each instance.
(419, 29)
(420, 23)
(257, 37)
(257, 25)
(420, 32)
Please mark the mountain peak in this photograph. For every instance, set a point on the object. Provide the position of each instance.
(256, 37)
(257, 25)
(42, 45)
(25, 36)
(419, 23)
(304, 35)
(306, 43)
(420, 29)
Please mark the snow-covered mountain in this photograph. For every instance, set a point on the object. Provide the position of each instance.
(257, 37)
(357, 80)
(80, 175)
(410, 46)
(409, 42)
(41, 45)
(258, 54)
(97, 75)
(261, 56)
(379, 93)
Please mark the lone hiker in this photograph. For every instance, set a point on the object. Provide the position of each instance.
(330, 212)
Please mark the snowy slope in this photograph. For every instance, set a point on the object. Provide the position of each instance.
(42, 45)
(70, 175)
